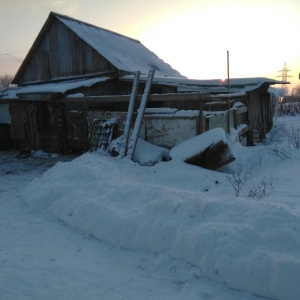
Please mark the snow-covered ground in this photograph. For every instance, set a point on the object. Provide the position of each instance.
(97, 227)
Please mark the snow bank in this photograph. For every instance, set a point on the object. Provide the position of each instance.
(146, 154)
(247, 245)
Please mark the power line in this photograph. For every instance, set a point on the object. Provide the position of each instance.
(13, 52)
(10, 54)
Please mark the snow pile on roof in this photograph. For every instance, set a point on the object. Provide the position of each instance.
(238, 86)
(209, 83)
(124, 53)
(52, 87)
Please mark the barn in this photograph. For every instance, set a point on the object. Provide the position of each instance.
(78, 78)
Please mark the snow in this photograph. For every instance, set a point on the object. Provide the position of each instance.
(237, 94)
(147, 154)
(277, 92)
(238, 86)
(254, 81)
(77, 95)
(160, 110)
(52, 87)
(171, 112)
(98, 227)
(241, 127)
(197, 144)
(238, 105)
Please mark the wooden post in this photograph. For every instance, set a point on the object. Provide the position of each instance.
(138, 121)
(124, 145)
(228, 86)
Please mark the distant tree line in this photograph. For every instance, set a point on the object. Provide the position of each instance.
(5, 80)
(295, 95)
(296, 90)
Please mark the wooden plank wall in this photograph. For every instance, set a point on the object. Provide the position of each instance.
(20, 130)
(260, 115)
(61, 53)
(62, 123)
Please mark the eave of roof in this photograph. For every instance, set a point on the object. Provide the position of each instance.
(215, 86)
(62, 87)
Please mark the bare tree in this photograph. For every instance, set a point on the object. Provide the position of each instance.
(238, 179)
(5, 80)
(261, 190)
(296, 90)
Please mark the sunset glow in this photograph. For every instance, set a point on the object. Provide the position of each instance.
(192, 36)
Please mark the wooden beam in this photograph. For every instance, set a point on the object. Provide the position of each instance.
(242, 110)
(125, 136)
(126, 98)
(37, 97)
(141, 111)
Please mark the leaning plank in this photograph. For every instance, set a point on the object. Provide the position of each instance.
(125, 137)
(138, 121)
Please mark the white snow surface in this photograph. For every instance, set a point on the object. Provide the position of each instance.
(170, 231)
(171, 112)
(238, 86)
(51, 87)
(197, 144)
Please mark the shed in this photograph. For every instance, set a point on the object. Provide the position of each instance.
(249, 103)
(76, 73)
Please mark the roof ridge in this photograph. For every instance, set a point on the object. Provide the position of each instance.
(55, 14)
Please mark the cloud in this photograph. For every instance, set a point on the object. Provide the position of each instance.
(61, 6)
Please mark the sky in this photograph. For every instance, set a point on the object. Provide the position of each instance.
(193, 36)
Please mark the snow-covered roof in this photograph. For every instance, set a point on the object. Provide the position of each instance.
(277, 92)
(239, 86)
(51, 88)
(125, 53)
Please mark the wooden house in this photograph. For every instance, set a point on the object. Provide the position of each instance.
(76, 73)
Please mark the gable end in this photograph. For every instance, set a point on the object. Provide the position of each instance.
(59, 53)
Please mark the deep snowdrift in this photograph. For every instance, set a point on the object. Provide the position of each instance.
(186, 212)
